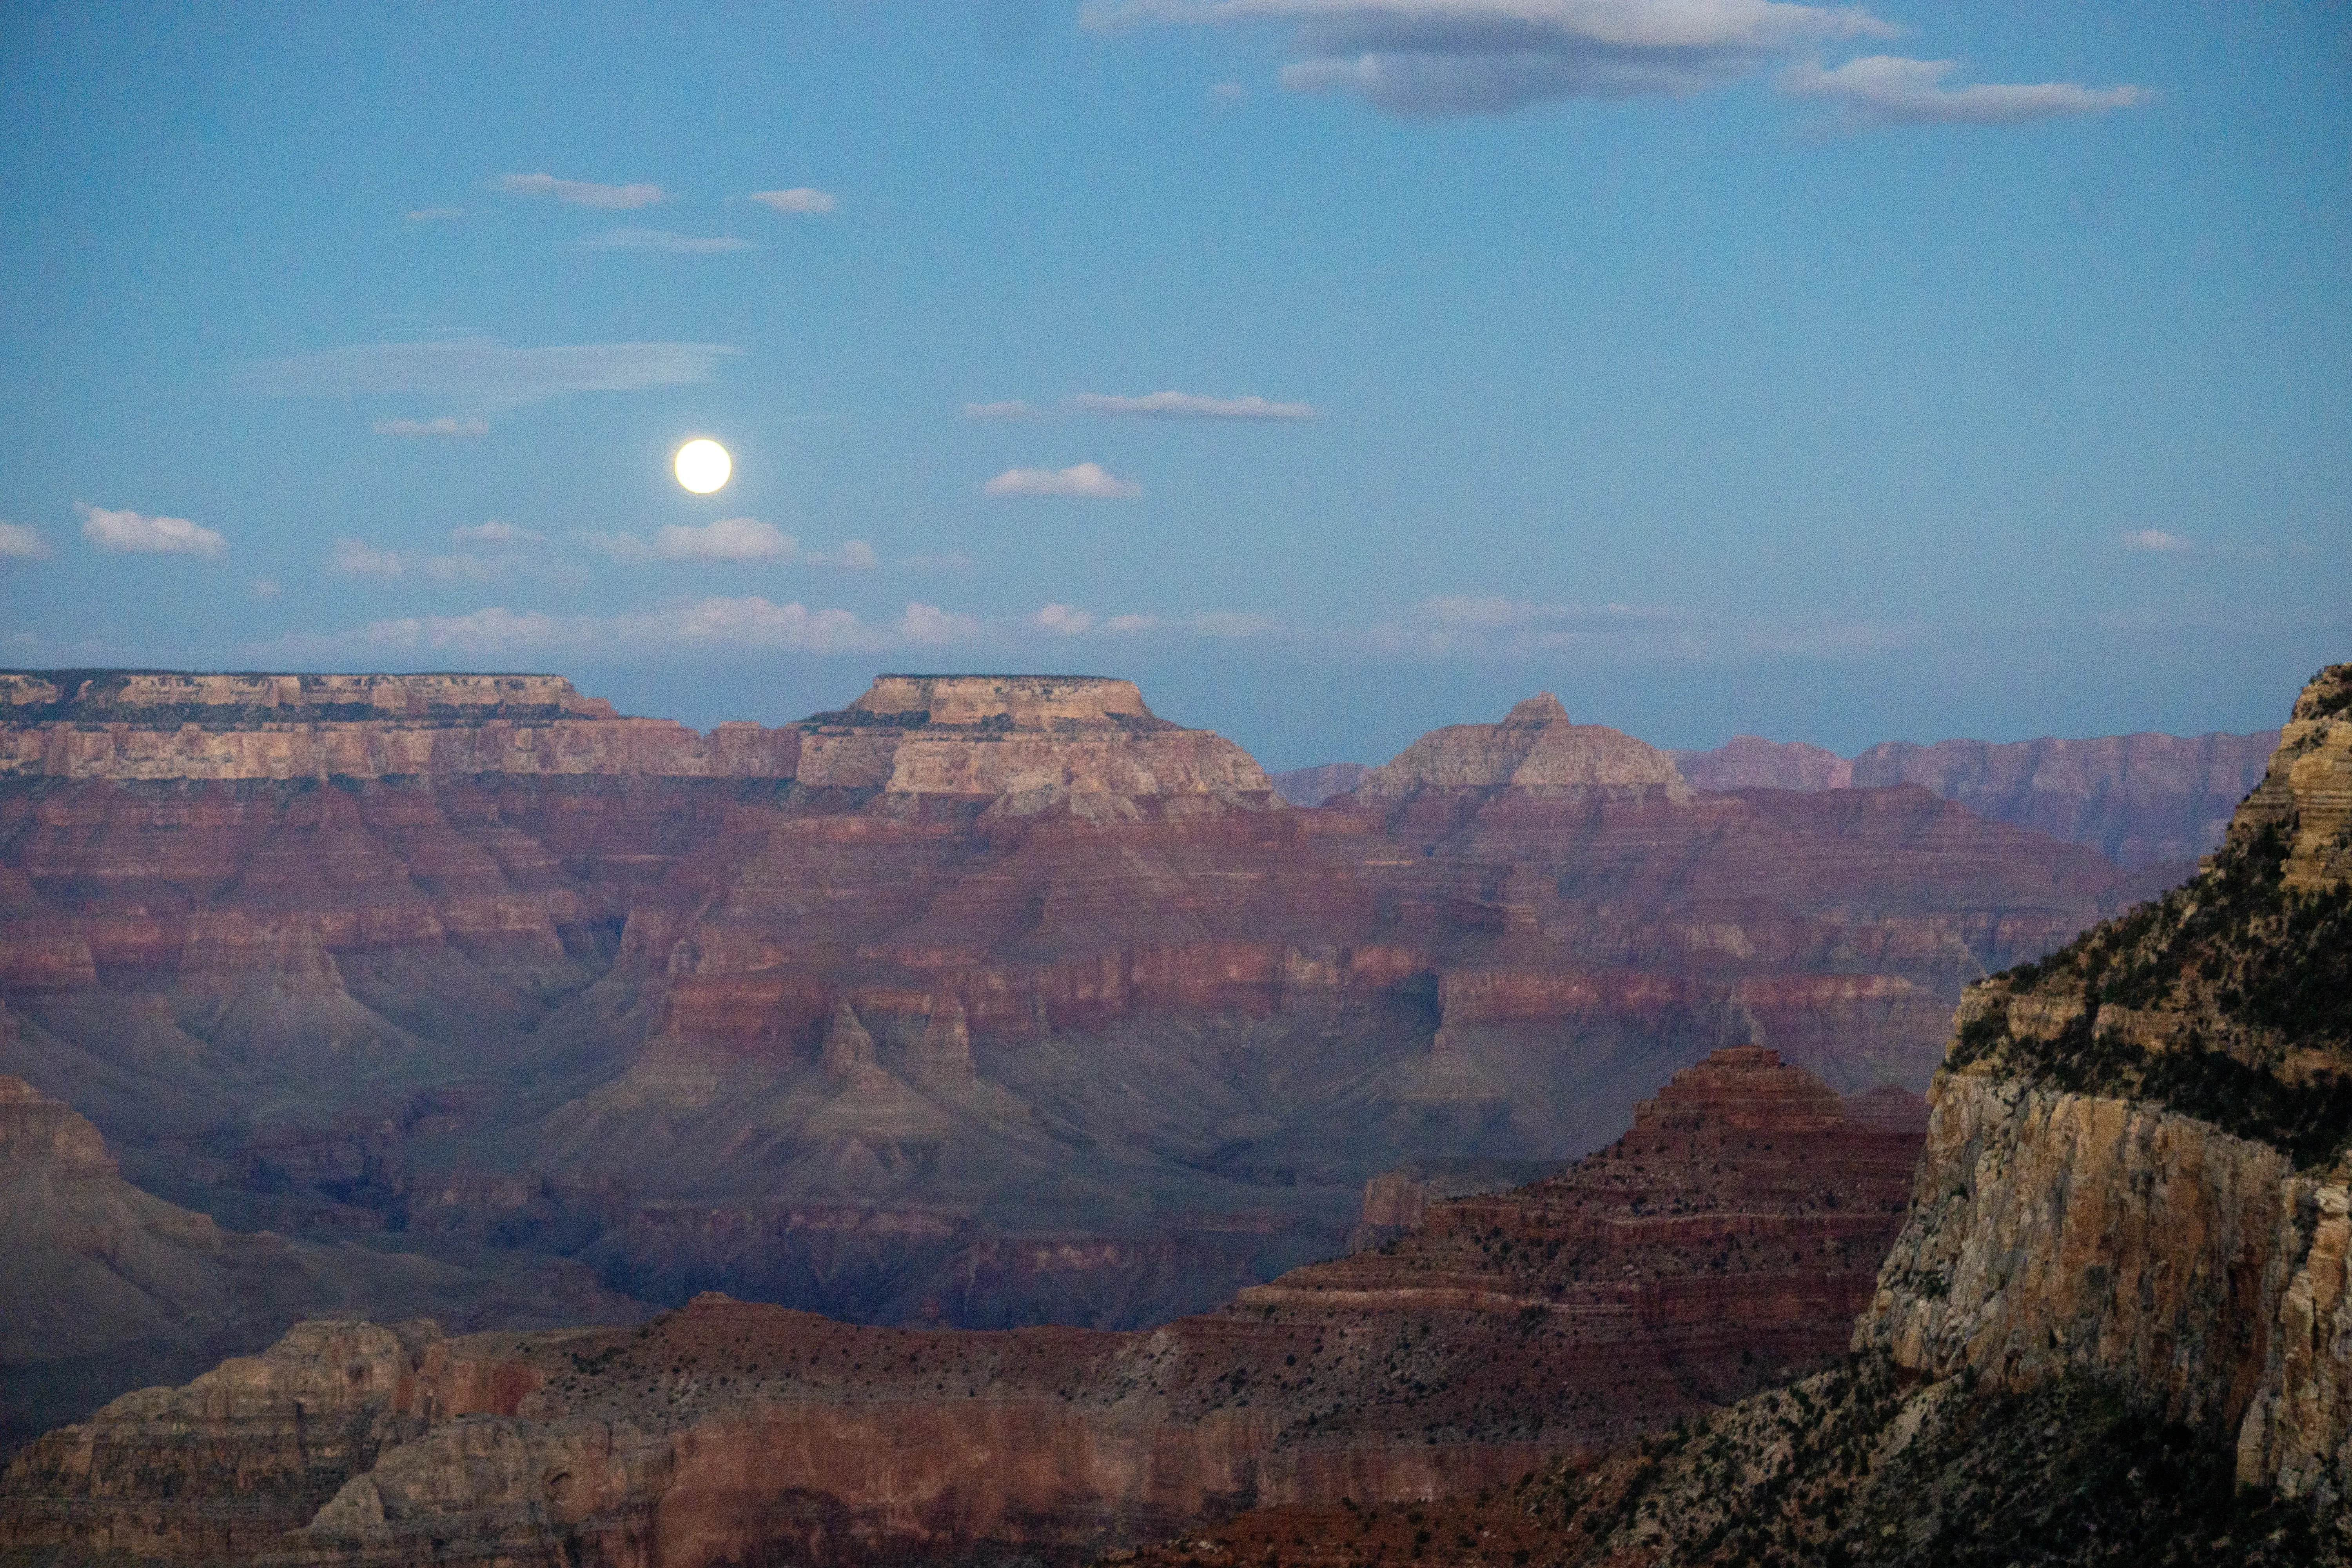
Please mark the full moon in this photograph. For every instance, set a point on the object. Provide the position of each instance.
(703, 466)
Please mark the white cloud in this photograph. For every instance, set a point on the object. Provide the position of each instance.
(1227, 93)
(583, 193)
(660, 241)
(1087, 480)
(855, 555)
(1499, 627)
(733, 539)
(435, 215)
(2158, 541)
(18, 542)
(930, 625)
(729, 538)
(447, 426)
(1418, 58)
(1888, 90)
(1123, 625)
(358, 558)
(131, 533)
(1189, 406)
(799, 200)
(719, 625)
(484, 371)
(1064, 619)
(1013, 408)
(494, 533)
(267, 588)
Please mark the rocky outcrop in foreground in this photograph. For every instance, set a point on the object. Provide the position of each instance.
(1725, 1240)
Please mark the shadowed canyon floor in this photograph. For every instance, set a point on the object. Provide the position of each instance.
(1725, 1240)
(986, 1001)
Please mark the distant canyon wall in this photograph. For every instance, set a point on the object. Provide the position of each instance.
(2140, 800)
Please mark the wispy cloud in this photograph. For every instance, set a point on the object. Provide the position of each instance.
(2156, 542)
(19, 542)
(448, 427)
(435, 215)
(1420, 57)
(484, 371)
(1189, 406)
(720, 625)
(1227, 93)
(801, 201)
(1085, 480)
(358, 558)
(1500, 626)
(135, 533)
(493, 532)
(1888, 90)
(583, 193)
(661, 242)
(1063, 618)
(1013, 408)
(733, 539)
(267, 588)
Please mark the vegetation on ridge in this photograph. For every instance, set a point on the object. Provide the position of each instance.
(2229, 999)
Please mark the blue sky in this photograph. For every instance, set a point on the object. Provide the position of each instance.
(1831, 373)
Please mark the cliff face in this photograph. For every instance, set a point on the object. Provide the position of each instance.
(2140, 800)
(2138, 1166)
(129, 725)
(1723, 1240)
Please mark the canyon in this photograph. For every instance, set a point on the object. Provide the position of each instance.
(1725, 1240)
(2117, 1322)
(983, 1001)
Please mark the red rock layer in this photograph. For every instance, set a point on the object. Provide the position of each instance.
(1727, 1239)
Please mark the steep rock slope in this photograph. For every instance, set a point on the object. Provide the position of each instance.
(1726, 1238)
(107, 1287)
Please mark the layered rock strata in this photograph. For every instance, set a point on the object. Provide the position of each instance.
(127, 725)
(2141, 800)
(1006, 1002)
(1727, 1237)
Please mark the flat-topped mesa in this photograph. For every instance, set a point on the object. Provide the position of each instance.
(1537, 749)
(1025, 701)
(174, 724)
(1028, 744)
(167, 698)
